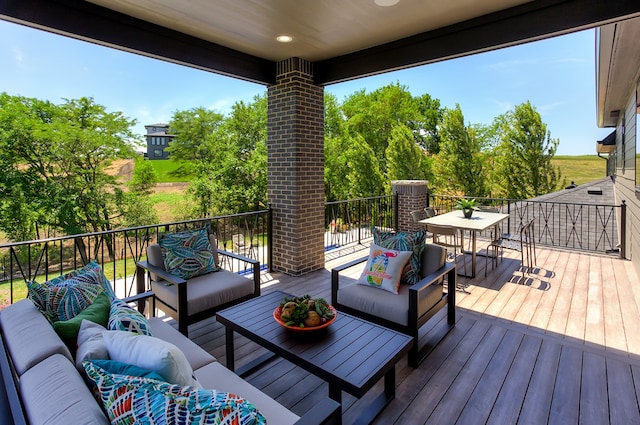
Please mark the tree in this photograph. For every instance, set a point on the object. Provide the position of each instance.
(192, 128)
(144, 177)
(524, 154)
(57, 155)
(404, 157)
(363, 175)
(459, 164)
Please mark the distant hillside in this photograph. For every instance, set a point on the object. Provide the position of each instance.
(581, 168)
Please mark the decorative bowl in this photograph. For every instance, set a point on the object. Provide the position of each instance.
(276, 316)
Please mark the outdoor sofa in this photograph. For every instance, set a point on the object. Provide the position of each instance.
(41, 384)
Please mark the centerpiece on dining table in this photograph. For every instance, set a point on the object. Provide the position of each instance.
(303, 314)
(468, 206)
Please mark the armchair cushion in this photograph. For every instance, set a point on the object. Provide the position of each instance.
(188, 254)
(206, 291)
(404, 241)
(384, 268)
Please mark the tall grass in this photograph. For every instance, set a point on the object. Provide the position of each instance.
(582, 168)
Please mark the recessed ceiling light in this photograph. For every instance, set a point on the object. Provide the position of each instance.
(386, 3)
(284, 38)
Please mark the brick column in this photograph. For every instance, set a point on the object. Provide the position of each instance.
(295, 152)
(412, 195)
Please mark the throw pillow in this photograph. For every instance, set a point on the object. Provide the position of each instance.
(63, 302)
(124, 318)
(113, 367)
(92, 272)
(384, 268)
(150, 353)
(91, 345)
(188, 254)
(130, 399)
(404, 241)
(97, 312)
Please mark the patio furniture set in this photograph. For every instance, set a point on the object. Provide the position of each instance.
(181, 275)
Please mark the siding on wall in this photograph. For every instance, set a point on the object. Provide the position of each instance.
(625, 187)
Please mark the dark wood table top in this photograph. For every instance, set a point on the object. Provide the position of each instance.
(351, 353)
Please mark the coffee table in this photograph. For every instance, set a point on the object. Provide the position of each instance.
(350, 355)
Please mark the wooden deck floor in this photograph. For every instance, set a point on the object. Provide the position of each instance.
(560, 346)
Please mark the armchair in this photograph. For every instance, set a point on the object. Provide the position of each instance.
(408, 311)
(200, 297)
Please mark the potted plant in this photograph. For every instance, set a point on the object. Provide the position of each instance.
(467, 206)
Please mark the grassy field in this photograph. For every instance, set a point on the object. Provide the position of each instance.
(581, 169)
(169, 171)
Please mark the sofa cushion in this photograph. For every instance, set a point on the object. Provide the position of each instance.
(188, 254)
(150, 353)
(206, 291)
(122, 317)
(22, 325)
(98, 312)
(215, 375)
(54, 393)
(196, 356)
(404, 241)
(381, 304)
(130, 399)
(384, 268)
(91, 345)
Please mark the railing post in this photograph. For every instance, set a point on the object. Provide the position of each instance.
(359, 220)
(269, 238)
(623, 229)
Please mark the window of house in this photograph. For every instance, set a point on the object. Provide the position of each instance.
(157, 153)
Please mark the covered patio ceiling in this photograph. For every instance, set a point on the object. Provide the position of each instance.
(344, 39)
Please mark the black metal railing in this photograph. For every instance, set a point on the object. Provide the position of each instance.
(118, 250)
(586, 227)
(348, 222)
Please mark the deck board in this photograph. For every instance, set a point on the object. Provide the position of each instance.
(559, 346)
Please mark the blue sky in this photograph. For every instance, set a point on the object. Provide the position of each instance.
(557, 76)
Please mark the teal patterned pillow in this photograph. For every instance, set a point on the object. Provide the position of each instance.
(63, 302)
(131, 399)
(404, 241)
(92, 272)
(188, 254)
(124, 318)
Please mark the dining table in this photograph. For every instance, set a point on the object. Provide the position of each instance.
(478, 222)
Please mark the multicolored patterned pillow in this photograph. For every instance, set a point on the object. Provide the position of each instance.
(384, 268)
(97, 312)
(124, 318)
(188, 254)
(404, 241)
(63, 302)
(92, 272)
(131, 399)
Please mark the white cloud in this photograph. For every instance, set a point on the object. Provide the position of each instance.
(550, 107)
(17, 54)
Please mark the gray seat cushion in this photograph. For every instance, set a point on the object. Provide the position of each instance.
(22, 325)
(217, 377)
(54, 393)
(206, 291)
(395, 308)
(196, 356)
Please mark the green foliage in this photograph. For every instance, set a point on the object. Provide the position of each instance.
(192, 129)
(55, 157)
(144, 177)
(404, 156)
(459, 165)
(523, 167)
(467, 204)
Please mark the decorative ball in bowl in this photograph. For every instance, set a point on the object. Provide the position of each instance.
(304, 314)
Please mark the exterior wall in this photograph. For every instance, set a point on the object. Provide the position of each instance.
(157, 141)
(295, 152)
(412, 195)
(625, 184)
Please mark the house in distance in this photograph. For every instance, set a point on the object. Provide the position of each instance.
(157, 141)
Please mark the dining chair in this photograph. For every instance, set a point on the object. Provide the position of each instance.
(449, 238)
(523, 242)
